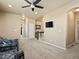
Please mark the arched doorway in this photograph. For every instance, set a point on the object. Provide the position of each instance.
(72, 32)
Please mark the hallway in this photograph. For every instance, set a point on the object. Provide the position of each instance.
(37, 50)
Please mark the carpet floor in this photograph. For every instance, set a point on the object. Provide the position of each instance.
(37, 50)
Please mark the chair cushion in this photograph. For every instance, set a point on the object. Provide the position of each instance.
(7, 44)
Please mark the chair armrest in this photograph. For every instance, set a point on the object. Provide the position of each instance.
(19, 55)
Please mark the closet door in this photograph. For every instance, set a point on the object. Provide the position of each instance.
(31, 29)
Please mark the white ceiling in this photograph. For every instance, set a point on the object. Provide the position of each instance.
(49, 5)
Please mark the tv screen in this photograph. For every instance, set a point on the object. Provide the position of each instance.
(49, 24)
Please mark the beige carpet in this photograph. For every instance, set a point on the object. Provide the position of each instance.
(37, 50)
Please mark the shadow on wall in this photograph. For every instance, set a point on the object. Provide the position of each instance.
(1, 7)
(2, 12)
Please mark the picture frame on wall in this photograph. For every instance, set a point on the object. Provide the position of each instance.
(38, 26)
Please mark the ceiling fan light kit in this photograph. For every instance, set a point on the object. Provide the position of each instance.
(33, 5)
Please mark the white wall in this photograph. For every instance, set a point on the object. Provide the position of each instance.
(58, 34)
(10, 25)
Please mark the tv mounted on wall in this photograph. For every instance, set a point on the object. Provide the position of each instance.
(49, 24)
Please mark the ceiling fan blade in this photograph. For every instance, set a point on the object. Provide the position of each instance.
(39, 6)
(36, 2)
(28, 2)
(25, 6)
(32, 9)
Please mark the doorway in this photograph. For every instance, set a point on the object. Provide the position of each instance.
(77, 27)
(73, 28)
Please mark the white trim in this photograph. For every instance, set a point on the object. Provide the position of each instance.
(52, 44)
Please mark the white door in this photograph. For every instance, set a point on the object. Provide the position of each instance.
(31, 30)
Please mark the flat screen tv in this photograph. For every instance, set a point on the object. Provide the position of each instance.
(49, 24)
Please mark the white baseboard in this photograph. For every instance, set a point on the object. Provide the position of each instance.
(52, 44)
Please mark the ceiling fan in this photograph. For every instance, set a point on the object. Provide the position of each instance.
(33, 4)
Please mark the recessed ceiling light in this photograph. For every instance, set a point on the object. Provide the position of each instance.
(23, 16)
(43, 18)
(36, 13)
(9, 5)
(77, 9)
